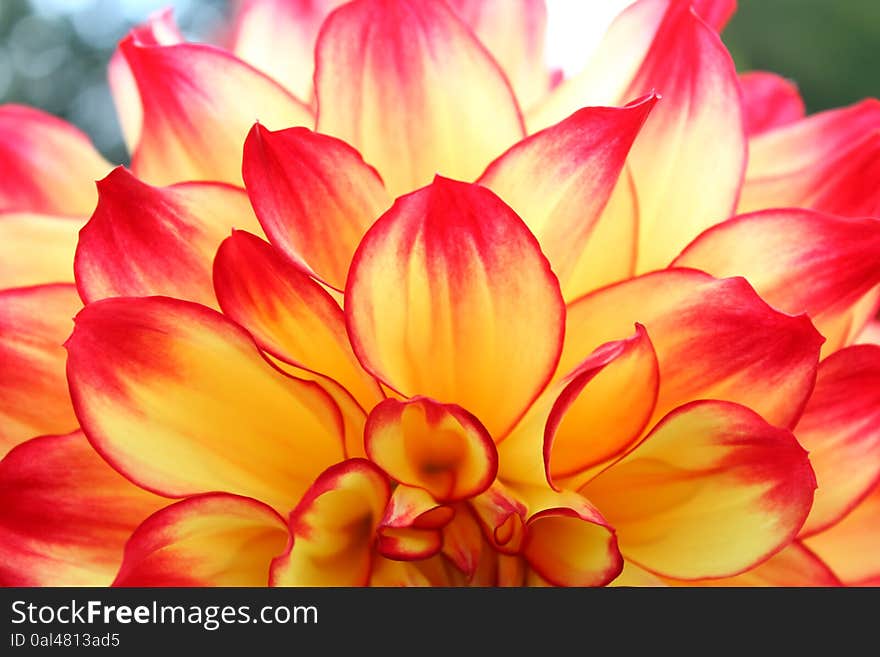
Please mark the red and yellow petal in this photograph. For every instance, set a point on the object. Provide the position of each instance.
(65, 514)
(278, 37)
(334, 527)
(799, 261)
(215, 539)
(49, 166)
(410, 506)
(448, 294)
(683, 187)
(592, 414)
(37, 249)
(288, 313)
(160, 29)
(390, 80)
(179, 399)
(850, 546)
(714, 339)
(793, 566)
(840, 428)
(826, 162)
(502, 516)
(560, 180)
(439, 447)
(198, 104)
(314, 195)
(770, 101)
(514, 32)
(712, 491)
(34, 322)
(568, 542)
(144, 240)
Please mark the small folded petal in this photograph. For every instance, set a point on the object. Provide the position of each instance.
(438, 447)
(289, 314)
(390, 80)
(770, 101)
(683, 187)
(714, 339)
(179, 399)
(827, 162)
(408, 543)
(561, 179)
(198, 104)
(840, 428)
(795, 565)
(208, 540)
(34, 322)
(49, 166)
(144, 240)
(334, 527)
(799, 261)
(568, 542)
(314, 195)
(160, 29)
(514, 31)
(449, 296)
(712, 491)
(589, 416)
(37, 249)
(502, 516)
(65, 514)
(414, 507)
(850, 546)
(278, 37)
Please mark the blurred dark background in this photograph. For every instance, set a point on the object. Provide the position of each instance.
(53, 53)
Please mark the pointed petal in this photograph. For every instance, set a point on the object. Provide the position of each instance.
(34, 322)
(449, 293)
(561, 179)
(850, 546)
(795, 565)
(144, 240)
(683, 187)
(178, 398)
(333, 528)
(187, 85)
(160, 29)
(514, 32)
(208, 540)
(592, 414)
(770, 101)
(65, 514)
(712, 491)
(49, 166)
(840, 428)
(314, 195)
(799, 261)
(278, 37)
(569, 543)
(439, 447)
(826, 162)
(714, 339)
(36, 249)
(390, 80)
(289, 314)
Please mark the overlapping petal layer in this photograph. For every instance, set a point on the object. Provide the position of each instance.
(49, 166)
(65, 514)
(207, 540)
(179, 399)
(34, 322)
(714, 339)
(712, 491)
(769, 101)
(144, 240)
(450, 297)
(390, 80)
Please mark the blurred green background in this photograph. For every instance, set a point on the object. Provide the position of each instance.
(53, 53)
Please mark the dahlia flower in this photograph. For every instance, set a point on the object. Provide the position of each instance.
(383, 301)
